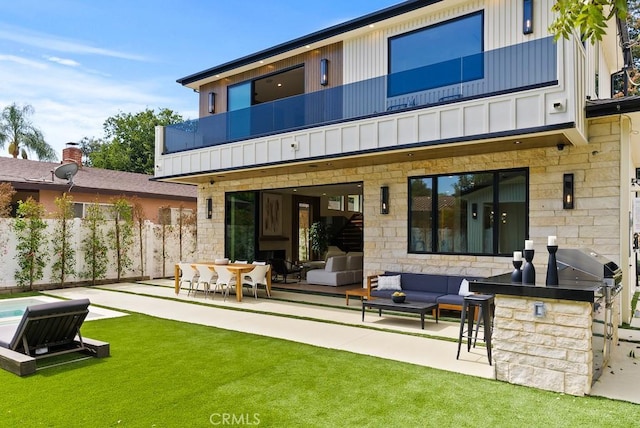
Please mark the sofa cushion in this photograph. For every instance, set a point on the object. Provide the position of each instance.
(336, 264)
(464, 288)
(354, 261)
(451, 299)
(423, 282)
(390, 282)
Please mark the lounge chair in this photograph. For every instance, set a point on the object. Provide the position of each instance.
(44, 331)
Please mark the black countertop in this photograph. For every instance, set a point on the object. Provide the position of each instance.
(578, 290)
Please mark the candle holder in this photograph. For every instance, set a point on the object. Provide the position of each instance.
(528, 271)
(516, 275)
(552, 266)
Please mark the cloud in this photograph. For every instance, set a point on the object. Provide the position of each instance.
(22, 61)
(59, 44)
(62, 61)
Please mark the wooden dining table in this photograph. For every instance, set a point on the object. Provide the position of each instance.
(238, 268)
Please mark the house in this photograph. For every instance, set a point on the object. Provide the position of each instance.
(95, 185)
(449, 131)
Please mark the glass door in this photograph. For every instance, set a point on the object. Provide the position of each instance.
(239, 110)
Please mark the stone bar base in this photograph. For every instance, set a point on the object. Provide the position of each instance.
(553, 352)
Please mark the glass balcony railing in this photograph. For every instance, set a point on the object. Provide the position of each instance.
(514, 68)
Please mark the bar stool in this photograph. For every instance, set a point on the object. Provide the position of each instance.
(485, 303)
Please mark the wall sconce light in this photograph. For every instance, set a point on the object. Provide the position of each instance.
(539, 310)
(324, 72)
(209, 208)
(567, 192)
(527, 16)
(212, 102)
(474, 211)
(384, 200)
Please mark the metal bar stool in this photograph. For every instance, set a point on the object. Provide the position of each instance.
(484, 302)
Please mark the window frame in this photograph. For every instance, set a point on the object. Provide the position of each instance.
(434, 207)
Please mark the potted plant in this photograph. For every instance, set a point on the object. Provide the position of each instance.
(319, 236)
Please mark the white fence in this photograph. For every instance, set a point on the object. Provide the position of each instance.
(154, 264)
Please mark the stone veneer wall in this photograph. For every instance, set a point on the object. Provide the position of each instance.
(553, 352)
(594, 223)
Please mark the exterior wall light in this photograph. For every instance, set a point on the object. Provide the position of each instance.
(212, 102)
(209, 208)
(567, 192)
(324, 72)
(527, 16)
(384, 200)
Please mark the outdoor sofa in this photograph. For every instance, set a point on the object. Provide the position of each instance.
(338, 270)
(446, 290)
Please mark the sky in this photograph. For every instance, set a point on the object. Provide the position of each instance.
(79, 62)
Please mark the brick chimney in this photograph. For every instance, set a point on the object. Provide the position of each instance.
(72, 153)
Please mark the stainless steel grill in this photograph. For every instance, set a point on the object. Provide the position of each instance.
(583, 264)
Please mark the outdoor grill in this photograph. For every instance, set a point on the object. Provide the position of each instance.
(583, 264)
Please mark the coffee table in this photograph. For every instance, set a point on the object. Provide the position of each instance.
(411, 307)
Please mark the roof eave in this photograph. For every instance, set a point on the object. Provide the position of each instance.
(317, 36)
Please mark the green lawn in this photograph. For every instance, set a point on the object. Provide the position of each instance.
(170, 374)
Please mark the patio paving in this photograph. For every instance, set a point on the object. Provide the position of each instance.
(327, 322)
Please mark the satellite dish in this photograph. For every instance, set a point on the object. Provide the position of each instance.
(66, 172)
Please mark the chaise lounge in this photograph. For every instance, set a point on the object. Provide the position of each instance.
(46, 330)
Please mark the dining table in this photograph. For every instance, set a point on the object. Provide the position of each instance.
(238, 268)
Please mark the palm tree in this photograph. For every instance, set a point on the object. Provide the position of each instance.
(23, 137)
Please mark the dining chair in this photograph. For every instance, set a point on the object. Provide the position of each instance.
(226, 280)
(188, 275)
(240, 262)
(206, 278)
(255, 277)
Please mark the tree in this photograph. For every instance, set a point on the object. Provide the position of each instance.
(93, 244)
(130, 144)
(121, 236)
(6, 196)
(88, 146)
(63, 252)
(23, 137)
(589, 17)
(30, 236)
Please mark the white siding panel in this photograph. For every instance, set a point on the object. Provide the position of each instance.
(236, 156)
(205, 161)
(303, 146)
(185, 162)
(528, 112)
(274, 150)
(333, 142)
(350, 140)
(262, 152)
(214, 158)
(386, 133)
(407, 130)
(316, 143)
(474, 120)
(450, 123)
(501, 116)
(225, 157)
(368, 136)
(248, 154)
(428, 127)
(287, 152)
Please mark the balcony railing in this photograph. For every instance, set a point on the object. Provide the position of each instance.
(514, 68)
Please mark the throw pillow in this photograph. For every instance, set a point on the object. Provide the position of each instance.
(464, 288)
(389, 283)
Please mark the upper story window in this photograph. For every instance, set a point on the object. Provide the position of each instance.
(444, 54)
(471, 213)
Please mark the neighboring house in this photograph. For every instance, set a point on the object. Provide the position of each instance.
(94, 185)
(453, 129)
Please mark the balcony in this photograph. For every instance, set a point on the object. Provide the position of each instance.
(515, 68)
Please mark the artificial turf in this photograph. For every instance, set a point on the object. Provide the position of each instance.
(165, 373)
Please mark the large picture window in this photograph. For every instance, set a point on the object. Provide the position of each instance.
(471, 213)
(436, 56)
